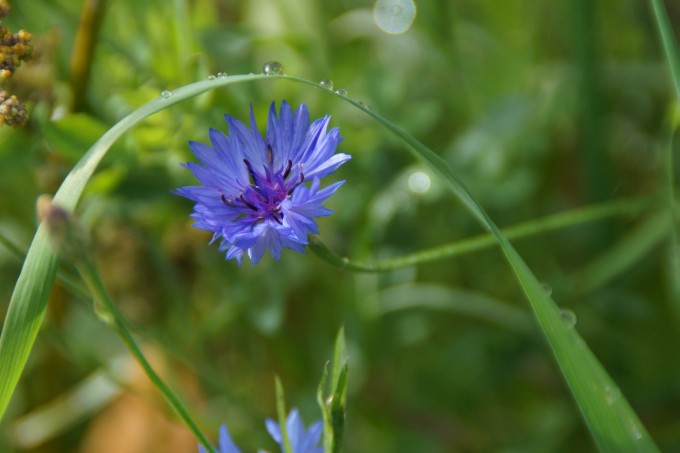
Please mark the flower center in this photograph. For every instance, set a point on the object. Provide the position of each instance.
(261, 199)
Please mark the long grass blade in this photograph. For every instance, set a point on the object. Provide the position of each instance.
(607, 414)
(29, 299)
(612, 422)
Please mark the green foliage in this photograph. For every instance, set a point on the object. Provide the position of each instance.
(334, 406)
(540, 109)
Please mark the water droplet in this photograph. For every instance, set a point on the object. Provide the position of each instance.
(635, 432)
(221, 75)
(327, 84)
(394, 16)
(272, 68)
(569, 317)
(342, 92)
(611, 394)
(211, 77)
(166, 94)
(547, 289)
(364, 105)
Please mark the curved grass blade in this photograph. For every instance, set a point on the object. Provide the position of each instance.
(612, 422)
(673, 57)
(668, 40)
(29, 299)
(607, 414)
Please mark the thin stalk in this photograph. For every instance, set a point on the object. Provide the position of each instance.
(485, 241)
(83, 50)
(103, 302)
(281, 415)
(668, 42)
(670, 47)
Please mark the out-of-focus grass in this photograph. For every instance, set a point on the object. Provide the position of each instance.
(495, 87)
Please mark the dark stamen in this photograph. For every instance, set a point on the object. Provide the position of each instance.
(227, 202)
(251, 172)
(247, 203)
(270, 154)
(286, 172)
(301, 179)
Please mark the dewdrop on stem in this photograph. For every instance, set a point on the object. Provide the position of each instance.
(569, 317)
(272, 68)
(327, 84)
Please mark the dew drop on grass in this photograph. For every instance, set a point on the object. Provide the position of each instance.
(272, 68)
(342, 92)
(611, 394)
(211, 77)
(165, 94)
(547, 289)
(221, 75)
(394, 16)
(635, 432)
(569, 317)
(327, 84)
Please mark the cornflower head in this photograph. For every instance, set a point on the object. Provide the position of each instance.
(301, 440)
(260, 194)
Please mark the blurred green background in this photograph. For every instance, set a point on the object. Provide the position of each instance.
(540, 107)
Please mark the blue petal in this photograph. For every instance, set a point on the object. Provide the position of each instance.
(227, 445)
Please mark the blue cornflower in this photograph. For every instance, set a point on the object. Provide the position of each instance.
(227, 445)
(301, 440)
(254, 194)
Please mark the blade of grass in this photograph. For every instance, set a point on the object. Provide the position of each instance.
(673, 57)
(619, 257)
(607, 414)
(668, 41)
(465, 303)
(281, 415)
(333, 407)
(29, 299)
(611, 420)
(109, 311)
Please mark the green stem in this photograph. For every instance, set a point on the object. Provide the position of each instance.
(674, 252)
(87, 36)
(673, 57)
(668, 41)
(281, 415)
(90, 275)
(484, 241)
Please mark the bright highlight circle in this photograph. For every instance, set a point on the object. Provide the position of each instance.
(394, 16)
(419, 182)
